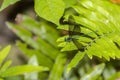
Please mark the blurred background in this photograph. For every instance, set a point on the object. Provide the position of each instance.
(6, 35)
(14, 13)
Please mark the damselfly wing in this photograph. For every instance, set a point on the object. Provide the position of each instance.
(74, 29)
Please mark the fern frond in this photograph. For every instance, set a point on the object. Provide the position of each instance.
(101, 19)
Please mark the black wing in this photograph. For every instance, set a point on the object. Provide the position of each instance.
(74, 29)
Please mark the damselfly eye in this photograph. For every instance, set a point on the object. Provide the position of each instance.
(115, 1)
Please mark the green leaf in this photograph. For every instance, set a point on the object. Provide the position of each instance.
(47, 48)
(7, 3)
(70, 3)
(37, 43)
(75, 60)
(50, 10)
(1, 79)
(18, 70)
(109, 71)
(96, 17)
(4, 53)
(58, 67)
(23, 34)
(115, 76)
(5, 66)
(95, 73)
(42, 59)
(42, 29)
(33, 75)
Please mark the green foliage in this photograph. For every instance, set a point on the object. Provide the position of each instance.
(115, 76)
(95, 73)
(86, 72)
(58, 67)
(4, 53)
(51, 10)
(6, 70)
(75, 61)
(17, 70)
(43, 44)
(69, 3)
(98, 36)
(100, 27)
(7, 3)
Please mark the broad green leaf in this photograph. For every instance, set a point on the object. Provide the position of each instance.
(4, 53)
(70, 3)
(51, 10)
(75, 61)
(18, 70)
(7, 3)
(58, 67)
(95, 73)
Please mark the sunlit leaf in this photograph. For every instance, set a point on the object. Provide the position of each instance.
(50, 10)
(102, 21)
(5, 66)
(58, 67)
(69, 3)
(75, 60)
(4, 53)
(18, 70)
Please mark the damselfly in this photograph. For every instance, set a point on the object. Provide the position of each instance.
(74, 29)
